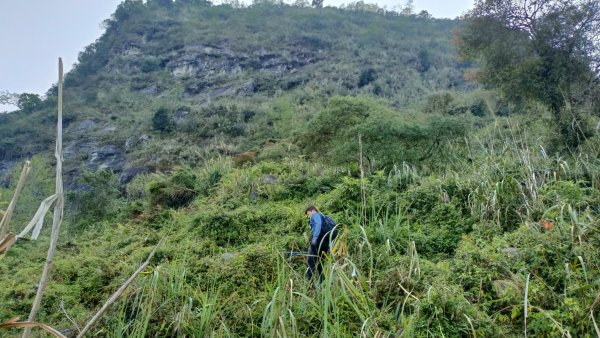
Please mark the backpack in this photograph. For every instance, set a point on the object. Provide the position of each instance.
(327, 224)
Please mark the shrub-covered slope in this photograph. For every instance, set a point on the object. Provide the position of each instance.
(176, 83)
(454, 253)
(213, 127)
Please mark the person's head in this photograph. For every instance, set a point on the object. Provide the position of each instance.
(310, 210)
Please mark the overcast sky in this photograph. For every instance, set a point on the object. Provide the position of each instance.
(35, 33)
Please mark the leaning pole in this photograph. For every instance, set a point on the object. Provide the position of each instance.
(58, 207)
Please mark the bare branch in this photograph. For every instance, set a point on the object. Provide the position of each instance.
(7, 97)
(28, 325)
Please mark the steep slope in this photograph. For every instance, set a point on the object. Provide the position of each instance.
(228, 79)
(452, 214)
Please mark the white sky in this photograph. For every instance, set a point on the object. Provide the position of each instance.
(35, 33)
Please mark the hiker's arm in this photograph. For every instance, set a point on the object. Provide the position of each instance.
(315, 225)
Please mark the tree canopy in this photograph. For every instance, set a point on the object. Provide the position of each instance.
(546, 50)
(28, 102)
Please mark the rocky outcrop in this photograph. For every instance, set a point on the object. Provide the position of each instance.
(206, 67)
(130, 173)
(133, 141)
(106, 157)
(85, 125)
(89, 155)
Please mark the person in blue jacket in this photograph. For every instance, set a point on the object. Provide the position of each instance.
(321, 238)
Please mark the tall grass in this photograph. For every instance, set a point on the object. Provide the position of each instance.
(164, 299)
(507, 276)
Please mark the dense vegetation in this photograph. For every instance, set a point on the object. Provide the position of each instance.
(472, 213)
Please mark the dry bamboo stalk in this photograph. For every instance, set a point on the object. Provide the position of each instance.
(11, 207)
(118, 293)
(363, 197)
(58, 207)
(595, 325)
(16, 324)
(525, 314)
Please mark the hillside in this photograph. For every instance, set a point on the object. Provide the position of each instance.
(209, 129)
(228, 78)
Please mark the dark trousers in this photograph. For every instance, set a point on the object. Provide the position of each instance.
(316, 255)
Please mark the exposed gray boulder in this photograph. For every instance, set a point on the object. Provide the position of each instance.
(130, 173)
(133, 141)
(181, 114)
(78, 150)
(247, 89)
(107, 157)
(84, 125)
(269, 179)
(151, 90)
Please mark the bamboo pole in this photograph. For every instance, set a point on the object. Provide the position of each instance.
(363, 196)
(118, 293)
(58, 207)
(11, 207)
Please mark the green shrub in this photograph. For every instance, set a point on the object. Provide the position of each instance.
(174, 191)
(334, 135)
(98, 197)
(137, 189)
(445, 310)
(149, 64)
(162, 120)
(367, 76)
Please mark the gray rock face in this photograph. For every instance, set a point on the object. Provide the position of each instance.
(129, 174)
(132, 141)
(93, 156)
(106, 157)
(247, 89)
(207, 71)
(180, 115)
(76, 150)
(206, 66)
(151, 90)
(85, 125)
(269, 179)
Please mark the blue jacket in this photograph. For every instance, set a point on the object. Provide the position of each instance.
(315, 226)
